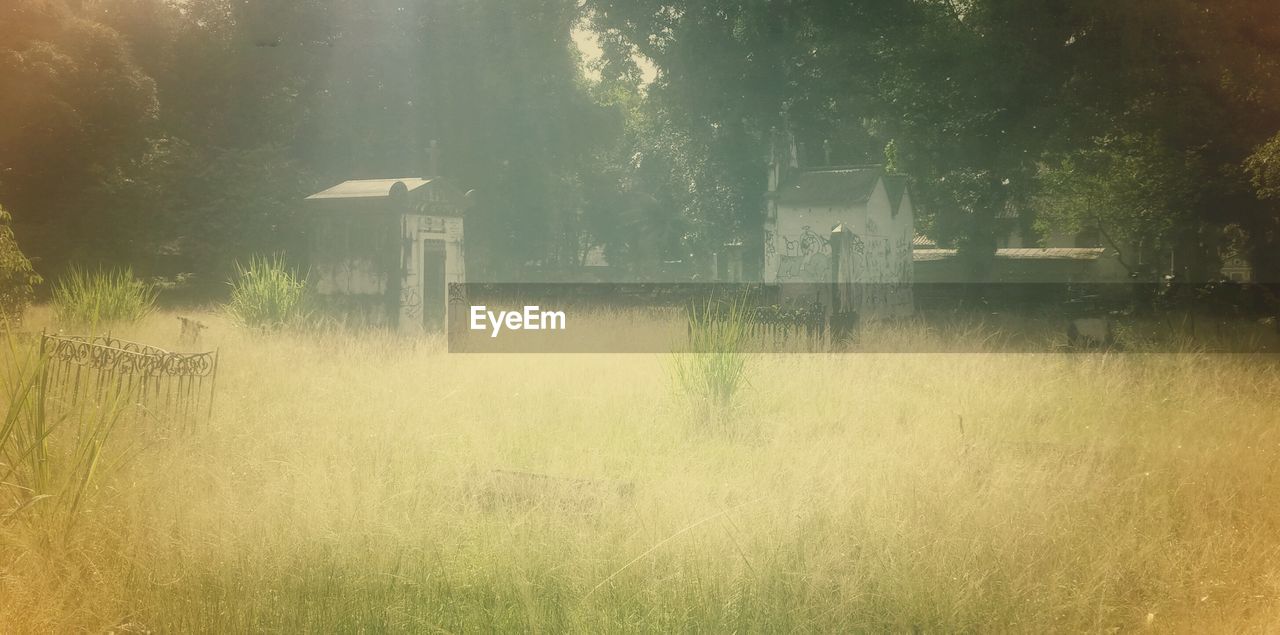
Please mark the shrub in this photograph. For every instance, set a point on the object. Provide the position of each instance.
(713, 371)
(16, 275)
(267, 294)
(102, 296)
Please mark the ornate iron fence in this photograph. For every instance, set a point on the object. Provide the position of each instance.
(802, 327)
(85, 372)
(778, 326)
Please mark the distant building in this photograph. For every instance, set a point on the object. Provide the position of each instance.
(382, 251)
(1026, 264)
(804, 205)
(1236, 268)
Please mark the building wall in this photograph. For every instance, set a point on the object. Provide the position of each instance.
(797, 250)
(1102, 269)
(367, 267)
(352, 262)
(796, 243)
(1016, 239)
(901, 300)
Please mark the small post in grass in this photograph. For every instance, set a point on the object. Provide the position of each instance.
(842, 317)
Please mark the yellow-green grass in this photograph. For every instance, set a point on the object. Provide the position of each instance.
(347, 483)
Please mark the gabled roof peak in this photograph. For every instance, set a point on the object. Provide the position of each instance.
(896, 186)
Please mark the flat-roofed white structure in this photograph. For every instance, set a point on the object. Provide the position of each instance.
(383, 251)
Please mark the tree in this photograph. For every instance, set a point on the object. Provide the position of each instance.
(1263, 168)
(727, 74)
(17, 277)
(1199, 81)
(966, 93)
(75, 106)
(1134, 191)
(978, 98)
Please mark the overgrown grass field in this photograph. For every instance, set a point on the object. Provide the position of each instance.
(366, 483)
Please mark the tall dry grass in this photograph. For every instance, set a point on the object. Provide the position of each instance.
(371, 483)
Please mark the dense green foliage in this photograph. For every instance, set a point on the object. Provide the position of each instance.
(16, 275)
(1131, 190)
(101, 297)
(181, 136)
(213, 118)
(990, 105)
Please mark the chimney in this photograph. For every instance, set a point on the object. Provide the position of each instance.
(826, 151)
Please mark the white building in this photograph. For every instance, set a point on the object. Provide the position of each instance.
(383, 251)
(803, 205)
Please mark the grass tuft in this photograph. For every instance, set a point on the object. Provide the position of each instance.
(713, 371)
(267, 294)
(101, 297)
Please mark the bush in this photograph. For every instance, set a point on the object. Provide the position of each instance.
(102, 297)
(266, 294)
(16, 275)
(713, 371)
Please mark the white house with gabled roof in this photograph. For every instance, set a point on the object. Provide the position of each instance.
(803, 205)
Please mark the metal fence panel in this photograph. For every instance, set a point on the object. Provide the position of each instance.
(82, 372)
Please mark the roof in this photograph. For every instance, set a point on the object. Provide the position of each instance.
(896, 186)
(923, 242)
(1032, 253)
(369, 188)
(830, 186)
(1052, 253)
(928, 255)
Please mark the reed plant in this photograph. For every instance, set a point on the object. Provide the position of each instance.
(712, 370)
(93, 298)
(266, 293)
(51, 459)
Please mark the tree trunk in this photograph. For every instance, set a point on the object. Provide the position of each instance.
(978, 249)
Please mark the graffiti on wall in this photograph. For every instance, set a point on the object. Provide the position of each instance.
(410, 295)
(805, 257)
(410, 299)
(877, 269)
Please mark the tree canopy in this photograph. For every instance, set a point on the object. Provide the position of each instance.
(987, 104)
(182, 135)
